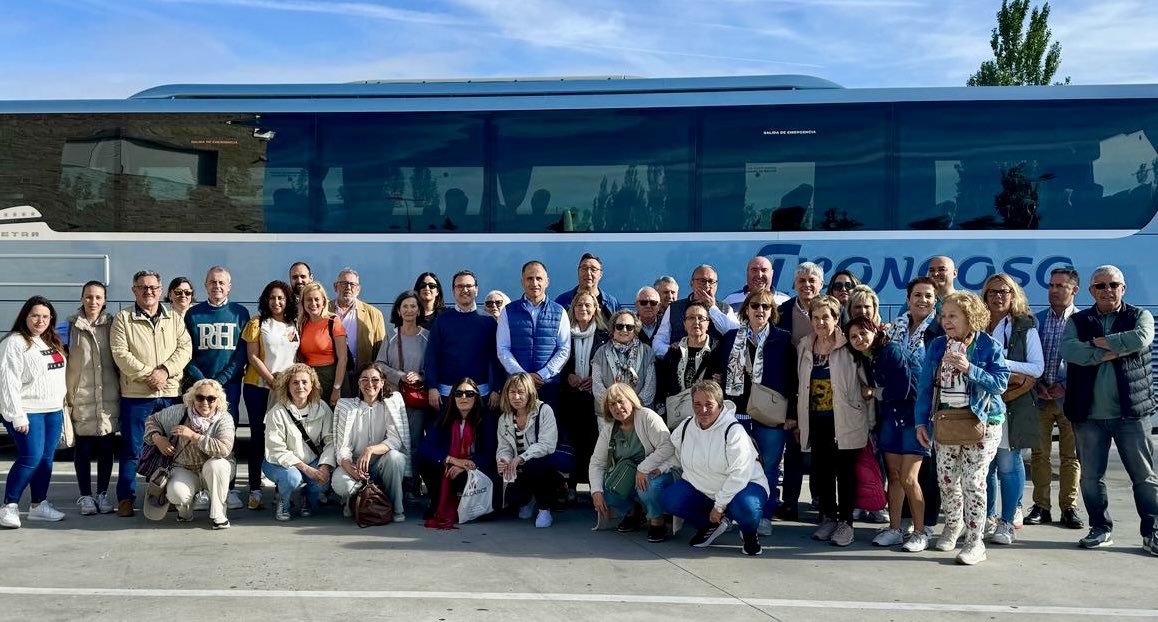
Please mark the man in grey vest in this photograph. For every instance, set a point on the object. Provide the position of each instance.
(1110, 398)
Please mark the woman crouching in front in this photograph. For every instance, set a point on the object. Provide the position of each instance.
(368, 439)
(527, 438)
(202, 455)
(722, 481)
(632, 462)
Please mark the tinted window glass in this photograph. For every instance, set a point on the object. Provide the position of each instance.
(1027, 165)
(396, 173)
(593, 171)
(795, 168)
(162, 173)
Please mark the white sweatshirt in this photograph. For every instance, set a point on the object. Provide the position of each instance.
(719, 461)
(32, 379)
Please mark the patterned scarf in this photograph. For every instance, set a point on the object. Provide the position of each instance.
(201, 424)
(739, 363)
(682, 366)
(623, 359)
(581, 344)
(912, 342)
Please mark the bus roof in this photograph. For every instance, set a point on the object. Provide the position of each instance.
(493, 87)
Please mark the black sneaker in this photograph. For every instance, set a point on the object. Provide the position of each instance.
(1038, 516)
(706, 536)
(1098, 537)
(1071, 520)
(786, 512)
(656, 533)
(752, 544)
(630, 523)
(1150, 543)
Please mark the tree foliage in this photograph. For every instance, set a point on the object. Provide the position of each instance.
(1021, 56)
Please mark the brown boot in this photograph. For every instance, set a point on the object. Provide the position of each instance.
(125, 508)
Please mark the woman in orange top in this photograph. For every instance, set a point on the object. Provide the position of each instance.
(323, 345)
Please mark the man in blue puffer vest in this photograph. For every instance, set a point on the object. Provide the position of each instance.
(534, 334)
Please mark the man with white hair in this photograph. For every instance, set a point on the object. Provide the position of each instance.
(647, 308)
(759, 277)
(808, 280)
(669, 292)
(365, 326)
(1110, 398)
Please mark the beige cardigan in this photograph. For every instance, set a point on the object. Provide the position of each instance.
(853, 415)
(653, 435)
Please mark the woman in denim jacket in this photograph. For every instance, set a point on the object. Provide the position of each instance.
(968, 369)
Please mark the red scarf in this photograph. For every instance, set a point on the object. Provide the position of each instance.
(461, 440)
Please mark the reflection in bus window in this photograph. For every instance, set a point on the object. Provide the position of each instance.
(593, 171)
(794, 168)
(1018, 165)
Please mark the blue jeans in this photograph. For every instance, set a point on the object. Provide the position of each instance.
(34, 453)
(747, 507)
(256, 402)
(288, 479)
(134, 411)
(1008, 467)
(770, 443)
(1132, 437)
(650, 498)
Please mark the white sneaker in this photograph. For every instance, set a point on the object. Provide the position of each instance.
(542, 521)
(10, 516)
(527, 511)
(87, 504)
(1004, 534)
(972, 554)
(948, 539)
(281, 513)
(1018, 518)
(45, 512)
(233, 500)
(916, 543)
(104, 505)
(201, 501)
(765, 528)
(888, 537)
(401, 518)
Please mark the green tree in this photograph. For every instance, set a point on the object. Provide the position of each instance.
(1021, 56)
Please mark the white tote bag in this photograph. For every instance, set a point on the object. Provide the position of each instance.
(476, 497)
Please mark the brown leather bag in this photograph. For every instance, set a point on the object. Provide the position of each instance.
(955, 426)
(370, 506)
(1019, 384)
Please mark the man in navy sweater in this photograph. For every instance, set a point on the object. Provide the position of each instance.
(462, 345)
(218, 353)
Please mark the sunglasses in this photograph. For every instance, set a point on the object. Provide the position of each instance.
(208, 399)
(466, 394)
(184, 293)
(428, 286)
(1111, 285)
(647, 303)
(843, 286)
(760, 305)
(493, 304)
(625, 327)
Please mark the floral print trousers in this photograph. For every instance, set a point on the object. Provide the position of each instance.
(961, 474)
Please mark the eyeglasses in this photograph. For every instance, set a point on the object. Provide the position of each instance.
(185, 293)
(370, 380)
(1000, 292)
(592, 269)
(148, 288)
(705, 281)
(428, 286)
(763, 306)
(493, 304)
(466, 287)
(348, 284)
(1111, 285)
(625, 327)
(208, 399)
(647, 303)
(843, 286)
(696, 318)
(466, 394)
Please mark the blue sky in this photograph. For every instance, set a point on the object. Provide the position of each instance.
(113, 48)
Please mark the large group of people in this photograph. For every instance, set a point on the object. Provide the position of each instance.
(700, 410)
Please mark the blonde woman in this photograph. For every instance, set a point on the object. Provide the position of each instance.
(202, 455)
(964, 368)
(299, 439)
(527, 436)
(323, 342)
(1015, 329)
(863, 301)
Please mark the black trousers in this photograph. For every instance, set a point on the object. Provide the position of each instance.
(103, 449)
(536, 480)
(833, 470)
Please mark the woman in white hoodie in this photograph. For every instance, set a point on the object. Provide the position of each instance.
(368, 438)
(722, 481)
(299, 439)
(32, 388)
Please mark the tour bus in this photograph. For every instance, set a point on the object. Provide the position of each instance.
(655, 176)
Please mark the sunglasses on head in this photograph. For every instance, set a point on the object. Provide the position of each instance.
(647, 303)
(1111, 285)
(466, 394)
(208, 399)
(625, 327)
